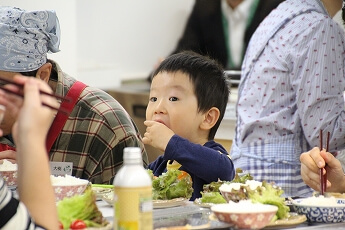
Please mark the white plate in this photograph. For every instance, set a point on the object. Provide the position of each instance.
(169, 203)
(100, 192)
(156, 203)
(292, 220)
(198, 202)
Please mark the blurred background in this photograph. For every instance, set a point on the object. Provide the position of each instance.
(110, 44)
(106, 41)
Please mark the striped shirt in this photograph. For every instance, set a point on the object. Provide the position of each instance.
(95, 134)
(292, 86)
(13, 213)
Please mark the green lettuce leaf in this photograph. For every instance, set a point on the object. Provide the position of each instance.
(269, 194)
(81, 207)
(212, 197)
(172, 184)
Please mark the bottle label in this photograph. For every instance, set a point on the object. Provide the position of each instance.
(133, 208)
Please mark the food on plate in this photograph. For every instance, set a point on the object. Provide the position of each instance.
(172, 184)
(80, 208)
(321, 209)
(245, 214)
(212, 198)
(7, 165)
(67, 186)
(270, 194)
(66, 180)
(8, 171)
(243, 187)
(211, 191)
(320, 201)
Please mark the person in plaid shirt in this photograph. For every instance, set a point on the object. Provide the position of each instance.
(96, 128)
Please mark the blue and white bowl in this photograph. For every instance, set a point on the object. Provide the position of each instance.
(321, 209)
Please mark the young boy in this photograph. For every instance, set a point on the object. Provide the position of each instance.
(188, 98)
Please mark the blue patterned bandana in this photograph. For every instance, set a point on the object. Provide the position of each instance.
(26, 37)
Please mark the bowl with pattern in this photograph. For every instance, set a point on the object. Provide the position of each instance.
(321, 209)
(9, 173)
(245, 214)
(67, 186)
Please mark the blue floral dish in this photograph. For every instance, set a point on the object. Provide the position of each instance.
(321, 211)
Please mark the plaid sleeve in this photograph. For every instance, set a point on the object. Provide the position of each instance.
(94, 136)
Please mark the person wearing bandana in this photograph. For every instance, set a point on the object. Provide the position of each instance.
(94, 129)
(292, 86)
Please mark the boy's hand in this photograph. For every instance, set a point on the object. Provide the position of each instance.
(157, 135)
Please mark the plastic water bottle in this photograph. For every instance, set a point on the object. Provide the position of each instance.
(132, 193)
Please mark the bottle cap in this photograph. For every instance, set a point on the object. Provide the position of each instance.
(132, 155)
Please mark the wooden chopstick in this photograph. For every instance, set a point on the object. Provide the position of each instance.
(20, 94)
(49, 106)
(9, 81)
(321, 169)
(323, 177)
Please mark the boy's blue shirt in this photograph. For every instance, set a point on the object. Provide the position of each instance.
(205, 163)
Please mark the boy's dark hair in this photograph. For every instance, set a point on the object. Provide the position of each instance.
(208, 78)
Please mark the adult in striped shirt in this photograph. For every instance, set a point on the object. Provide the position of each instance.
(36, 208)
(292, 86)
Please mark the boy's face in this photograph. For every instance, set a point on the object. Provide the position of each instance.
(173, 103)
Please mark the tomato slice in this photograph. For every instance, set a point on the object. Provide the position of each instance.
(78, 224)
(60, 225)
(182, 175)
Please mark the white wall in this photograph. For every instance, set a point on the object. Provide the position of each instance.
(67, 57)
(105, 41)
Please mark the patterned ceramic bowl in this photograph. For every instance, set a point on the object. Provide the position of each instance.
(321, 210)
(9, 173)
(68, 186)
(10, 177)
(245, 215)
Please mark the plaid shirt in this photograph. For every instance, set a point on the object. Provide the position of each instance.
(95, 134)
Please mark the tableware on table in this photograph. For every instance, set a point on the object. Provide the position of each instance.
(245, 214)
(4, 81)
(293, 219)
(169, 203)
(101, 189)
(238, 191)
(186, 217)
(198, 202)
(8, 171)
(109, 198)
(321, 209)
(67, 186)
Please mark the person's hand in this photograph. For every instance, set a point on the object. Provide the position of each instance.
(157, 135)
(9, 155)
(31, 116)
(315, 159)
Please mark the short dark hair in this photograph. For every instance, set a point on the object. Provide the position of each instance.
(208, 78)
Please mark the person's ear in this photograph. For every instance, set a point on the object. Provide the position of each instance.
(44, 72)
(210, 118)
